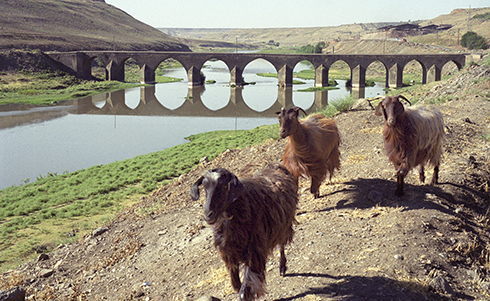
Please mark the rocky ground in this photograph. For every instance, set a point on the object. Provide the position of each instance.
(356, 242)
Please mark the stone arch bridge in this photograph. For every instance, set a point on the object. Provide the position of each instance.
(80, 62)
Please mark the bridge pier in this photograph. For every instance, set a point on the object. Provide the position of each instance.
(395, 76)
(285, 76)
(114, 72)
(321, 99)
(358, 76)
(147, 75)
(236, 76)
(194, 77)
(285, 97)
(434, 74)
(236, 95)
(321, 76)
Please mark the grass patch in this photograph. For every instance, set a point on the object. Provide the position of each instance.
(439, 100)
(41, 212)
(313, 89)
(337, 105)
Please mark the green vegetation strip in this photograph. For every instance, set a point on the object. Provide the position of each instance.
(50, 87)
(102, 189)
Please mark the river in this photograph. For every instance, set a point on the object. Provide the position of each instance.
(77, 134)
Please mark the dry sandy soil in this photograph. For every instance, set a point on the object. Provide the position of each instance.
(356, 242)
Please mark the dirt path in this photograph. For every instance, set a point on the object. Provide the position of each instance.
(357, 242)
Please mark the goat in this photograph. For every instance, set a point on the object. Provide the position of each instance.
(412, 137)
(312, 148)
(250, 217)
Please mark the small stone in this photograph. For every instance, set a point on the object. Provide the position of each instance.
(57, 265)
(43, 257)
(400, 257)
(441, 285)
(45, 273)
(99, 231)
(208, 298)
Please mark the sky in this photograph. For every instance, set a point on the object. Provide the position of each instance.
(284, 13)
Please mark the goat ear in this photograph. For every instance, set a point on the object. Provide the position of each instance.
(195, 189)
(235, 189)
(379, 110)
(282, 111)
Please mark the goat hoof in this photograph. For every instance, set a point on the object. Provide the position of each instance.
(399, 193)
(282, 271)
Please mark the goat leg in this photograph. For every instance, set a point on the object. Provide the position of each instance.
(315, 187)
(421, 173)
(435, 175)
(235, 276)
(399, 185)
(282, 262)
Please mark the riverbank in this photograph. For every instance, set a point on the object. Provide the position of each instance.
(37, 215)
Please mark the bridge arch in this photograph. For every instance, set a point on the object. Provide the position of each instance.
(210, 90)
(269, 92)
(414, 67)
(377, 69)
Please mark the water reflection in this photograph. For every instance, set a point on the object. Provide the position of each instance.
(117, 103)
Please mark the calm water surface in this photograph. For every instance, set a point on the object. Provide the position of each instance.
(35, 141)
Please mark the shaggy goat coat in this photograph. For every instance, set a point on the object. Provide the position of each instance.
(250, 224)
(412, 137)
(312, 149)
(416, 139)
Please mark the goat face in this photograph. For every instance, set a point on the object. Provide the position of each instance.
(390, 107)
(222, 188)
(288, 121)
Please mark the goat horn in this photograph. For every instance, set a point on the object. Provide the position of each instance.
(403, 97)
(300, 109)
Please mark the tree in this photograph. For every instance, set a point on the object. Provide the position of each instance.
(472, 40)
(312, 49)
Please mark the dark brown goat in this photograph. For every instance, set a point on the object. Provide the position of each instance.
(313, 146)
(250, 217)
(412, 137)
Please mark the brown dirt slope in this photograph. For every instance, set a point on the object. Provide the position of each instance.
(357, 242)
(76, 25)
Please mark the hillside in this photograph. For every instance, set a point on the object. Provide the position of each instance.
(350, 34)
(356, 242)
(76, 24)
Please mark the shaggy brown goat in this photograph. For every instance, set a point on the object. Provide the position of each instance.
(313, 146)
(412, 137)
(250, 217)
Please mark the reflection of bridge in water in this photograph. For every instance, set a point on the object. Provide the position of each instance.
(149, 105)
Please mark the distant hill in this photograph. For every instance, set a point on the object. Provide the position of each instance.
(460, 20)
(76, 25)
